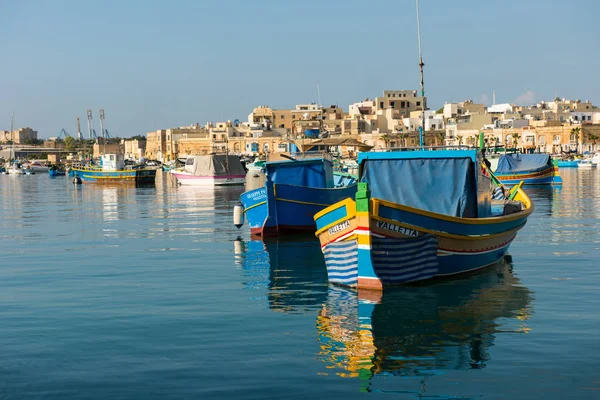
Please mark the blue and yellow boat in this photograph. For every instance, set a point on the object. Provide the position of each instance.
(531, 169)
(418, 215)
(294, 191)
(113, 171)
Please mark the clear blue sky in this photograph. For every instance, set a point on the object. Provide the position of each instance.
(159, 64)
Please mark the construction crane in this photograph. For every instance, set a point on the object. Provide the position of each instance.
(91, 130)
(103, 130)
(63, 134)
(79, 135)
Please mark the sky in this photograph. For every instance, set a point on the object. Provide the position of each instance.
(160, 64)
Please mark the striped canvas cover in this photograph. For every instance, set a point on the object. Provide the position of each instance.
(404, 260)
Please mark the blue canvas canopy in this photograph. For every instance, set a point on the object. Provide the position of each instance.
(510, 163)
(317, 173)
(441, 185)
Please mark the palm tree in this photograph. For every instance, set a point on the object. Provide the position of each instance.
(575, 133)
(441, 135)
(593, 138)
(516, 138)
(459, 138)
(404, 136)
(386, 140)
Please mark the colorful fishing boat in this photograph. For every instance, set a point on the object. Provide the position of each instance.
(113, 171)
(531, 169)
(568, 163)
(295, 189)
(55, 170)
(418, 215)
(211, 170)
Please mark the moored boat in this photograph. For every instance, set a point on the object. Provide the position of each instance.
(294, 190)
(113, 171)
(586, 163)
(531, 169)
(55, 170)
(211, 170)
(568, 163)
(418, 215)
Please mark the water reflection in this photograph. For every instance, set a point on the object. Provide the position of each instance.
(419, 331)
(292, 272)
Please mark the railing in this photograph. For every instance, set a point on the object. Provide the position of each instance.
(427, 148)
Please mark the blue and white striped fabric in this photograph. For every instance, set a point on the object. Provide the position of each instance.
(341, 259)
(404, 260)
(498, 193)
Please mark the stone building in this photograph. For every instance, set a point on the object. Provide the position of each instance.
(18, 136)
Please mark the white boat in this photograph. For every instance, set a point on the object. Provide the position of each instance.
(211, 170)
(596, 158)
(257, 166)
(14, 170)
(586, 163)
(36, 166)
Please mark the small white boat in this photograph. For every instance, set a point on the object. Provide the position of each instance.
(596, 158)
(36, 166)
(586, 163)
(211, 170)
(15, 170)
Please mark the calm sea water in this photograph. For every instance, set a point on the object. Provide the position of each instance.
(123, 292)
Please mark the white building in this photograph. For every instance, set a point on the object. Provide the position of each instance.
(433, 121)
(500, 108)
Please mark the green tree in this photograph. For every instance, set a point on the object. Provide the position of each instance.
(440, 110)
(460, 139)
(70, 144)
(516, 138)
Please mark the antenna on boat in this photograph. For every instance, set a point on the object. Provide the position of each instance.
(421, 65)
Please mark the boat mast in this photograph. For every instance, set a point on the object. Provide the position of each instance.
(12, 139)
(421, 65)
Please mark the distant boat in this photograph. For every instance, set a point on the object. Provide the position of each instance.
(568, 163)
(36, 166)
(56, 171)
(531, 169)
(586, 163)
(596, 158)
(211, 170)
(113, 171)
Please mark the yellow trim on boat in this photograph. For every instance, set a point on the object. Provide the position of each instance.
(349, 203)
(300, 202)
(255, 205)
(445, 234)
(479, 221)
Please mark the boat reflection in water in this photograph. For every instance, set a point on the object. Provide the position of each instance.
(417, 331)
(291, 270)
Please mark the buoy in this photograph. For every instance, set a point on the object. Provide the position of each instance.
(238, 215)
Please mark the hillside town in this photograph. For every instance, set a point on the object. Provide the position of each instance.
(392, 120)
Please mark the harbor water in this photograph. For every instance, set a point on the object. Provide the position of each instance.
(152, 293)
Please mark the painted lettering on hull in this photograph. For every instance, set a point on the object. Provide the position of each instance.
(396, 228)
(339, 227)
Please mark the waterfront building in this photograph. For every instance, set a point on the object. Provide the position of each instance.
(18, 136)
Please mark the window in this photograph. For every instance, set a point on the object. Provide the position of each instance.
(112, 157)
(189, 161)
(282, 146)
(404, 94)
(293, 116)
(557, 138)
(418, 103)
(392, 104)
(282, 126)
(282, 116)
(381, 104)
(402, 104)
(576, 118)
(589, 117)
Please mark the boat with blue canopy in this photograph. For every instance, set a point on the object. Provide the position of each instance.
(531, 169)
(295, 190)
(418, 215)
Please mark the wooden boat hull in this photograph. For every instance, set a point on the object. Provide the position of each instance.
(371, 243)
(547, 176)
(279, 209)
(137, 176)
